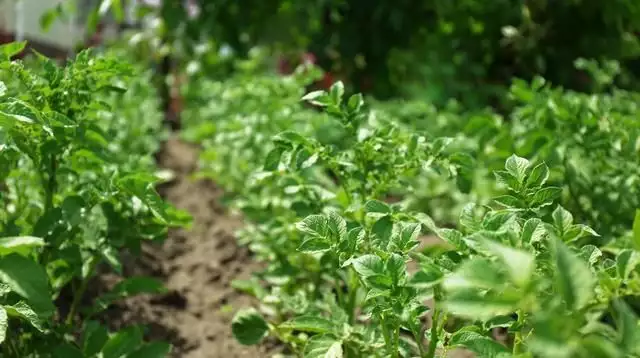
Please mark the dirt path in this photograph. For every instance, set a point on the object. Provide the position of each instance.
(197, 267)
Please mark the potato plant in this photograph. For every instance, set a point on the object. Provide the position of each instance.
(77, 190)
(347, 275)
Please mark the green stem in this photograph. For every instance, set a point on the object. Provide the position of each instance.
(50, 184)
(517, 341)
(79, 293)
(417, 335)
(354, 283)
(341, 302)
(433, 340)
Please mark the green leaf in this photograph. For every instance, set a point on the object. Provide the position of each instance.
(152, 350)
(520, 264)
(337, 226)
(545, 196)
(273, 159)
(505, 178)
(315, 225)
(478, 272)
(249, 327)
(94, 337)
(636, 230)
(396, 268)
(4, 324)
(318, 98)
(509, 201)
(382, 229)
(626, 262)
(3, 89)
(377, 206)
(408, 238)
(562, 220)
(323, 346)
(128, 287)
(483, 346)
(313, 324)
(368, 265)
(337, 91)
(538, 176)
(66, 350)
(574, 280)
(123, 343)
(23, 311)
(467, 218)
(29, 280)
(533, 231)
(19, 244)
(471, 304)
(314, 244)
(517, 167)
(428, 276)
(49, 17)
(627, 324)
(12, 48)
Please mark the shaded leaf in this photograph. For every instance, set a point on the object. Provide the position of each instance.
(249, 327)
(314, 324)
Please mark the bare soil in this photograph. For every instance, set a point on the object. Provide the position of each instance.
(197, 266)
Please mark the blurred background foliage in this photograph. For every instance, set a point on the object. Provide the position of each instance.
(433, 50)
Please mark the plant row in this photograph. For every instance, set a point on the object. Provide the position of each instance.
(341, 204)
(77, 191)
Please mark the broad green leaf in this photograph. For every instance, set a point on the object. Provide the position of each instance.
(94, 337)
(323, 346)
(627, 324)
(318, 98)
(314, 244)
(573, 277)
(249, 327)
(591, 253)
(122, 342)
(483, 346)
(517, 167)
(476, 273)
(509, 201)
(533, 231)
(22, 311)
(382, 229)
(29, 280)
(596, 346)
(545, 196)
(19, 244)
(4, 324)
(128, 287)
(337, 91)
(428, 276)
(396, 268)
(3, 89)
(49, 17)
(66, 350)
(337, 225)
(538, 176)
(408, 238)
(368, 265)
(315, 225)
(473, 305)
(152, 350)
(314, 324)
(467, 218)
(376, 206)
(636, 230)
(12, 48)
(562, 219)
(626, 261)
(520, 264)
(505, 178)
(273, 159)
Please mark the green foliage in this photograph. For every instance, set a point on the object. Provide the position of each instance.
(77, 189)
(336, 215)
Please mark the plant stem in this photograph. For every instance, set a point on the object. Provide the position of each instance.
(417, 335)
(77, 297)
(517, 341)
(50, 185)
(433, 340)
(353, 295)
